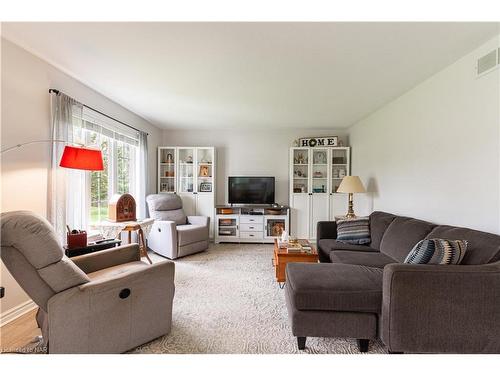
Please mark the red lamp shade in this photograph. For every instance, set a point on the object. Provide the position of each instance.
(82, 158)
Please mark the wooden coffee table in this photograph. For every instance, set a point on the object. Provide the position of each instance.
(282, 257)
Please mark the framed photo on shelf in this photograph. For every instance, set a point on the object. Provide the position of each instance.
(204, 172)
(205, 187)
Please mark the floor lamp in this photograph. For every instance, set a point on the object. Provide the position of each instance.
(84, 158)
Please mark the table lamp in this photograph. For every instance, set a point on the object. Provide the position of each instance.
(351, 185)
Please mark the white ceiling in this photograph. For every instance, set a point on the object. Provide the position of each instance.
(242, 75)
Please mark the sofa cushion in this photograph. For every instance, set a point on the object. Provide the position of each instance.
(327, 245)
(334, 287)
(331, 245)
(190, 233)
(355, 230)
(379, 221)
(163, 202)
(63, 275)
(32, 235)
(166, 207)
(402, 235)
(482, 247)
(362, 258)
(437, 251)
(177, 216)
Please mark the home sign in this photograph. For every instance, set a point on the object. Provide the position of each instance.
(319, 142)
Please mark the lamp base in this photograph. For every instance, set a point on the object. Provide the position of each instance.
(350, 210)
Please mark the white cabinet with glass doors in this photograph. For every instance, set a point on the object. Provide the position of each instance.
(315, 175)
(190, 173)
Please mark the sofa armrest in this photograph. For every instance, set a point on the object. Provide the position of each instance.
(199, 220)
(326, 229)
(107, 258)
(114, 314)
(163, 238)
(124, 279)
(441, 308)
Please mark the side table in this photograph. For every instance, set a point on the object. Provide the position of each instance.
(282, 257)
(112, 229)
(91, 248)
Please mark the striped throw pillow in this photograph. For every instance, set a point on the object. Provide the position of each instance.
(437, 251)
(354, 231)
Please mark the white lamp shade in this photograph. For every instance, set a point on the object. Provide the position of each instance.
(351, 184)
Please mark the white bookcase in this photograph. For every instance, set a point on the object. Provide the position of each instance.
(190, 173)
(315, 175)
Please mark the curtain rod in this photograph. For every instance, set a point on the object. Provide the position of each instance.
(57, 92)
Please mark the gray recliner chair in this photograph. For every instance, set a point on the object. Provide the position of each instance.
(174, 234)
(105, 302)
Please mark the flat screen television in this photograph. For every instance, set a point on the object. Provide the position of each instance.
(251, 190)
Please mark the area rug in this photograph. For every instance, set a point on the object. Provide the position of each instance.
(227, 301)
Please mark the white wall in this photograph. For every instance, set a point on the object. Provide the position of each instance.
(247, 153)
(433, 153)
(26, 116)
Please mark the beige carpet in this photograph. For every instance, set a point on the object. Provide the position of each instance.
(227, 301)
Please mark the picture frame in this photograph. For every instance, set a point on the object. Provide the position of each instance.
(205, 187)
(204, 171)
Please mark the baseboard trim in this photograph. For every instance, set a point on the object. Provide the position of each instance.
(16, 312)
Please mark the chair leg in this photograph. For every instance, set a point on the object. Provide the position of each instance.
(143, 249)
(363, 345)
(301, 342)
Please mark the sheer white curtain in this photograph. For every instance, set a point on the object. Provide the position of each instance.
(70, 191)
(143, 175)
(66, 187)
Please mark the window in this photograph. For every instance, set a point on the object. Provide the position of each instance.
(120, 151)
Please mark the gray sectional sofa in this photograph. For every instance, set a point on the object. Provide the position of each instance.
(366, 292)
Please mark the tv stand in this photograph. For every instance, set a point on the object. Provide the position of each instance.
(252, 224)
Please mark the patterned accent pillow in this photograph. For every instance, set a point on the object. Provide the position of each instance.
(354, 231)
(437, 251)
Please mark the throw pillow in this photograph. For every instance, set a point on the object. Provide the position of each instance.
(437, 251)
(354, 231)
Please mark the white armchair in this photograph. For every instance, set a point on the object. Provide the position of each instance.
(174, 234)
